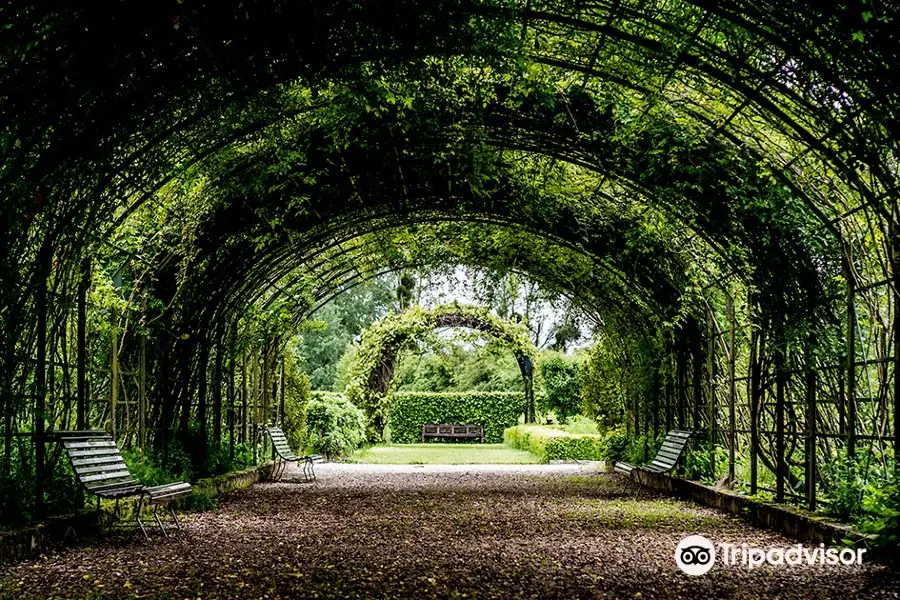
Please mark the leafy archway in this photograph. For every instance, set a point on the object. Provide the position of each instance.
(717, 181)
(372, 371)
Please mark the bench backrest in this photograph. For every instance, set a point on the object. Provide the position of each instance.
(96, 460)
(279, 441)
(447, 429)
(670, 451)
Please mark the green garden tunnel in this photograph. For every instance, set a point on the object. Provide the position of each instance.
(716, 182)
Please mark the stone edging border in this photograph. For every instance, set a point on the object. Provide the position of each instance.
(794, 523)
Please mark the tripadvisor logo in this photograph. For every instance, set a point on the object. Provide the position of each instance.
(696, 555)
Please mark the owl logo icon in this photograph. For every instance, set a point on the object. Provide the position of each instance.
(695, 555)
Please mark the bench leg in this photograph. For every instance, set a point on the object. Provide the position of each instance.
(174, 517)
(159, 522)
(636, 485)
(633, 485)
(137, 517)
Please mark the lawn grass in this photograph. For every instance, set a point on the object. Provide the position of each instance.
(443, 454)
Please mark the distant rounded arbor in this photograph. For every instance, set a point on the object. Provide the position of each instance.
(375, 362)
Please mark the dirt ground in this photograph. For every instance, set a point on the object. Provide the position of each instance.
(373, 531)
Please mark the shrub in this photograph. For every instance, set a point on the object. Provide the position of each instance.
(559, 375)
(334, 425)
(639, 450)
(295, 403)
(617, 443)
(221, 461)
(882, 516)
(602, 391)
(145, 468)
(553, 443)
(494, 411)
(858, 486)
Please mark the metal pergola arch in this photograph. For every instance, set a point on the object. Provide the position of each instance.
(51, 151)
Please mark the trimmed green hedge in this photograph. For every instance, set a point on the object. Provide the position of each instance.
(495, 411)
(552, 443)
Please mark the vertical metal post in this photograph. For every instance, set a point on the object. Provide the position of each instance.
(842, 403)
(263, 405)
(5, 366)
(755, 384)
(811, 423)
(635, 407)
(254, 408)
(202, 392)
(114, 374)
(851, 355)
(231, 373)
(281, 403)
(697, 383)
(8, 349)
(142, 391)
(40, 384)
(780, 381)
(81, 347)
(681, 385)
(670, 382)
(273, 410)
(780, 351)
(217, 393)
(657, 392)
(732, 417)
(895, 326)
(711, 390)
(244, 396)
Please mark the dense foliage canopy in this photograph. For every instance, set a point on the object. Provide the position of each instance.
(184, 183)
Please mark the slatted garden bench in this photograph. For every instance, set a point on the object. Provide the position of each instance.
(102, 471)
(456, 432)
(285, 455)
(671, 450)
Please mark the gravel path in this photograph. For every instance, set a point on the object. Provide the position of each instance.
(371, 531)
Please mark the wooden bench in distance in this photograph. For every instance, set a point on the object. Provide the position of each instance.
(666, 459)
(454, 432)
(285, 455)
(102, 471)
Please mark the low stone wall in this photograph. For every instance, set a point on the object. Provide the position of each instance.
(213, 487)
(23, 543)
(794, 523)
(33, 540)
